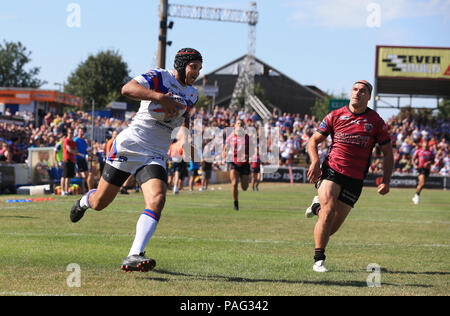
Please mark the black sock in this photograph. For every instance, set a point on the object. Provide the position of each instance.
(319, 254)
(236, 203)
(315, 208)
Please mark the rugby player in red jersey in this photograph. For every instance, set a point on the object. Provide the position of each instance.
(354, 129)
(237, 144)
(423, 158)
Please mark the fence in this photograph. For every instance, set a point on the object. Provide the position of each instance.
(299, 175)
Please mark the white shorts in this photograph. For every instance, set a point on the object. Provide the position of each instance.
(123, 156)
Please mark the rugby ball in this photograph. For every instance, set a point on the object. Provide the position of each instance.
(156, 111)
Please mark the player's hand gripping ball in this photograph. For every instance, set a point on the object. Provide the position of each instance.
(157, 111)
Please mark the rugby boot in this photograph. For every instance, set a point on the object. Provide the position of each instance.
(77, 212)
(313, 208)
(319, 266)
(138, 263)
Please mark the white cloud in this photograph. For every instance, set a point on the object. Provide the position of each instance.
(411, 9)
(7, 17)
(353, 13)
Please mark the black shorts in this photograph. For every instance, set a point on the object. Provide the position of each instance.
(184, 171)
(68, 169)
(255, 170)
(194, 172)
(150, 172)
(244, 170)
(424, 171)
(206, 168)
(145, 173)
(206, 174)
(82, 165)
(178, 166)
(350, 188)
(170, 171)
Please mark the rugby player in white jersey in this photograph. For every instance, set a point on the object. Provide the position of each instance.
(142, 148)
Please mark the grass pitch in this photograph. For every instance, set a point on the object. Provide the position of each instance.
(204, 248)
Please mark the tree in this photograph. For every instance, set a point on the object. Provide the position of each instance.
(13, 59)
(321, 107)
(100, 78)
(203, 101)
(444, 109)
(261, 94)
(258, 91)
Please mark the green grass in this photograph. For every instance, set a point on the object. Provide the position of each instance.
(203, 247)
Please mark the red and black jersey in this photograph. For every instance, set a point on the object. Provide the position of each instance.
(239, 145)
(424, 156)
(353, 138)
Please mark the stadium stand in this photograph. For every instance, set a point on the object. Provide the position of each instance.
(295, 130)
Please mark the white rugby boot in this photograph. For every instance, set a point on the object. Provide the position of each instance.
(319, 266)
(315, 203)
(415, 199)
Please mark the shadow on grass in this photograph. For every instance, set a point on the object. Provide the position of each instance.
(345, 283)
(384, 270)
(416, 272)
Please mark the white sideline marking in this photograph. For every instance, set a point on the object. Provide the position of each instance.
(15, 293)
(246, 241)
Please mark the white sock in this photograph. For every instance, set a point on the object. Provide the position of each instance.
(85, 199)
(145, 228)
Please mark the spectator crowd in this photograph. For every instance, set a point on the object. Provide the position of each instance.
(295, 130)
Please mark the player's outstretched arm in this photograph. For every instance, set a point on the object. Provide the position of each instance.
(388, 164)
(314, 168)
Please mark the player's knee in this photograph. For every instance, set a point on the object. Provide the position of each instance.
(157, 202)
(245, 187)
(326, 214)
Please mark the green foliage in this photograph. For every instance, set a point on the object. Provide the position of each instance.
(203, 101)
(444, 109)
(422, 114)
(100, 78)
(261, 94)
(14, 58)
(321, 107)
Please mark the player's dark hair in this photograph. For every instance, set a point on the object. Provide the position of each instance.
(368, 85)
(183, 58)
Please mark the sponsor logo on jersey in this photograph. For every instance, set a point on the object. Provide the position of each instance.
(360, 140)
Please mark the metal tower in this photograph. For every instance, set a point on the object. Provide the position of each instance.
(246, 78)
(204, 13)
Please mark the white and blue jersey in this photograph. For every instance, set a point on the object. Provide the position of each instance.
(147, 140)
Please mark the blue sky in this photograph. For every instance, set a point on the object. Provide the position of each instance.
(327, 43)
